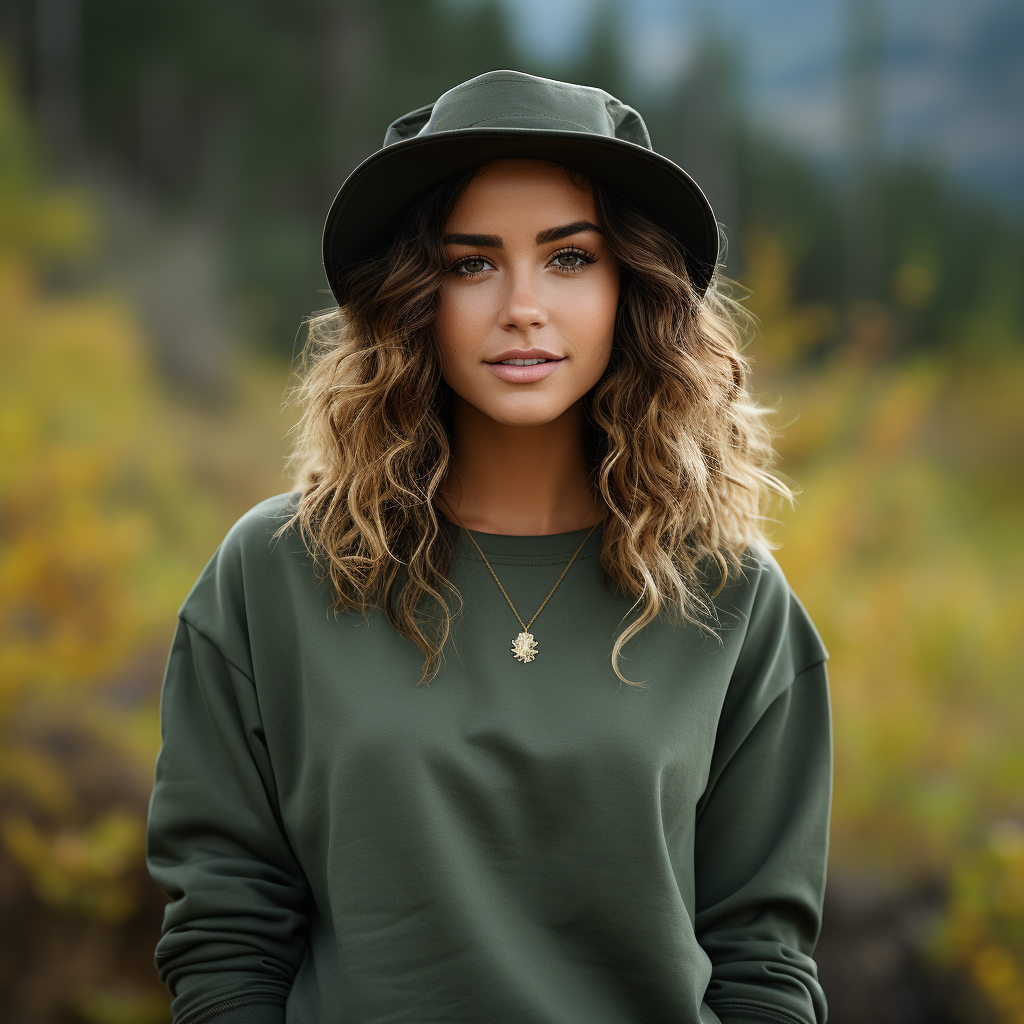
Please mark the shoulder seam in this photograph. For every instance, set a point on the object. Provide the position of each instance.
(209, 639)
(807, 668)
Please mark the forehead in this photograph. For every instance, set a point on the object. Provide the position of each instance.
(521, 190)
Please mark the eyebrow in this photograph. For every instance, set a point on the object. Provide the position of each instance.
(484, 241)
(550, 235)
(553, 234)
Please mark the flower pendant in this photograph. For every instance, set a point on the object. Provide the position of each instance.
(524, 647)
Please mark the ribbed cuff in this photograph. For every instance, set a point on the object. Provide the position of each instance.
(253, 1008)
(742, 1011)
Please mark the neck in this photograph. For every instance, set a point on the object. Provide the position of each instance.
(519, 480)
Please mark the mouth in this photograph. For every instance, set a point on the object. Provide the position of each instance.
(525, 371)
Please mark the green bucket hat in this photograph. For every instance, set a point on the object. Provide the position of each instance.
(511, 114)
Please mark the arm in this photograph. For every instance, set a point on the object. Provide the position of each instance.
(762, 832)
(234, 931)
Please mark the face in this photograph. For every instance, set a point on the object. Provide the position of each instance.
(530, 278)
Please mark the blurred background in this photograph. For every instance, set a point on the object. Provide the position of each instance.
(165, 170)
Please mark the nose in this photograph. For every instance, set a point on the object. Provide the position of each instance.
(523, 307)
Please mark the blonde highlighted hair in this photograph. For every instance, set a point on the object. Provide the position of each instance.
(680, 452)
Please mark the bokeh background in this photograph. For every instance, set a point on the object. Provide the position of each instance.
(164, 174)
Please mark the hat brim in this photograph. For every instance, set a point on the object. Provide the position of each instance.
(377, 193)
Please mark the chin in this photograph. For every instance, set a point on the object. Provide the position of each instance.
(525, 413)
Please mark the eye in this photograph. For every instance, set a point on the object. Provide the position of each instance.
(572, 258)
(470, 266)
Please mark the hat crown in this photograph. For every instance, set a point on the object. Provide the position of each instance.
(512, 99)
(509, 114)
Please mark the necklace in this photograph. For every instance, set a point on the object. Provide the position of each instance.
(524, 647)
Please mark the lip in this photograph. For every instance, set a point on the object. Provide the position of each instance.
(525, 374)
(525, 353)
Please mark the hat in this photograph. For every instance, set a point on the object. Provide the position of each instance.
(511, 114)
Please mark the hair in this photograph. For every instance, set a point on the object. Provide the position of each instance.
(679, 451)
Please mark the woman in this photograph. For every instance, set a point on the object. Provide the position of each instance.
(529, 405)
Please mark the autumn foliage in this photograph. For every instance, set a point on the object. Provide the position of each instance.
(905, 546)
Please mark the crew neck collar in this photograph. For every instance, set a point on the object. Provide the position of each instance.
(515, 549)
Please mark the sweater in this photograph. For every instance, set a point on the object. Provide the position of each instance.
(524, 842)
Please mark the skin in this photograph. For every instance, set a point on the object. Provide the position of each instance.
(518, 465)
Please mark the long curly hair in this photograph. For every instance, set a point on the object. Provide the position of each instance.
(679, 450)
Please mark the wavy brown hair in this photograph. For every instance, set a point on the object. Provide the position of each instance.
(679, 450)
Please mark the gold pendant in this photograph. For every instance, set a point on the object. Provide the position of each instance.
(524, 647)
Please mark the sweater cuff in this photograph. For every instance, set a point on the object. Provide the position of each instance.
(743, 1011)
(254, 1008)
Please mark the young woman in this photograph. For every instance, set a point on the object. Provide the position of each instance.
(417, 765)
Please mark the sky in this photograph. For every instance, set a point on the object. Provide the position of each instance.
(954, 71)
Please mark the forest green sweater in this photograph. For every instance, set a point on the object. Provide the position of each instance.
(514, 843)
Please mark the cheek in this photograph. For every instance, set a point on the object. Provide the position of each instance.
(593, 315)
(460, 323)
(445, 323)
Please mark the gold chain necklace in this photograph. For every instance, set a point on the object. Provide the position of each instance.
(524, 647)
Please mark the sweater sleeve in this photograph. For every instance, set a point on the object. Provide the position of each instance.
(234, 930)
(762, 828)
